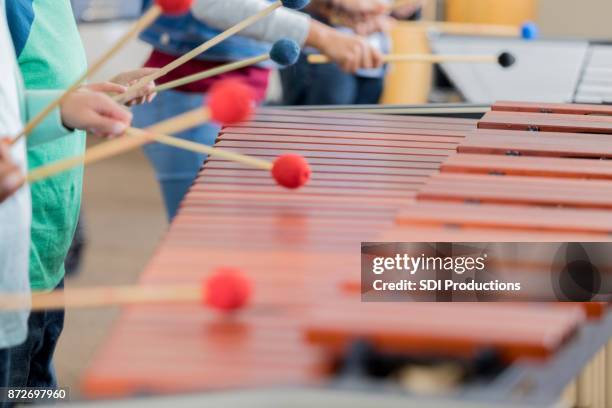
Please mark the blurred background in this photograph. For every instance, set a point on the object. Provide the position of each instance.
(124, 214)
(103, 21)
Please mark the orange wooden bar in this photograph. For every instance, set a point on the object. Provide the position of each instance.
(562, 108)
(538, 191)
(519, 218)
(534, 332)
(528, 166)
(547, 144)
(545, 122)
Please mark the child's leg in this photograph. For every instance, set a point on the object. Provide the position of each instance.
(331, 86)
(5, 362)
(31, 363)
(369, 91)
(324, 84)
(296, 81)
(175, 168)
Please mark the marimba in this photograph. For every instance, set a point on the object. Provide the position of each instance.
(524, 172)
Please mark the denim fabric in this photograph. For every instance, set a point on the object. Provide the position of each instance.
(5, 366)
(31, 363)
(327, 84)
(175, 168)
(177, 35)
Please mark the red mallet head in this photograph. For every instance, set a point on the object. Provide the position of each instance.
(231, 101)
(227, 290)
(291, 171)
(174, 7)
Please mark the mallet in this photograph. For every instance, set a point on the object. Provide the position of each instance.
(227, 104)
(171, 7)
(289, 170)
(284, 53)
(230, 102)
(134, 89)
(226, 290)
(530, 31)
(527, 31)
(505, 59)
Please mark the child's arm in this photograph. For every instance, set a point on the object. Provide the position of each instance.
(51, 127)
(11, 177)
(351, 52)
(84, 109)
(283, 23)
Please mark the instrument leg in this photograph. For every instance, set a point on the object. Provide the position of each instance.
(584, 398)
(608, 377)
(599, 380)
(569, 396)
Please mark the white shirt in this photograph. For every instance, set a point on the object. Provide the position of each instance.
(15, 212)
(282, 23)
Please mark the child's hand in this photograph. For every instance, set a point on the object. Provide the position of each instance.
(350, 52)
(376, 24)
(129, 78)
(361, 7)
(406, 9)
(11, 178)
(95, 112)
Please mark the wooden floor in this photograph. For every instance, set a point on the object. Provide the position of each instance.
(125, 220)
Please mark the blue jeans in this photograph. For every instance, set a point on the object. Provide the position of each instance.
(176, 169)
(327, 84)
(5, 365)
(31, 363)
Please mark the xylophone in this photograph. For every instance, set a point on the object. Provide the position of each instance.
(582, 69)
(594, 85)
(523, 172)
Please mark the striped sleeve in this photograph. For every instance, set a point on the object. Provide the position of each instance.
(20, 16)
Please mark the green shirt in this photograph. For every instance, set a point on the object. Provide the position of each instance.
(52, 58)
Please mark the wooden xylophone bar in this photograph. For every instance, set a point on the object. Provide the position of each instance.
(299, 248)
(526, 166)
(557, 108)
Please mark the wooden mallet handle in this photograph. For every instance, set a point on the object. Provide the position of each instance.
(135, 138)
(504, 59)
(142, 83)
(202, 148)
(103, 297)
(121, 145)
(289, 170)
(284, 53)
(498, 30)
(424, 58)
(238, 109)
(226, 289)
(208, 73)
